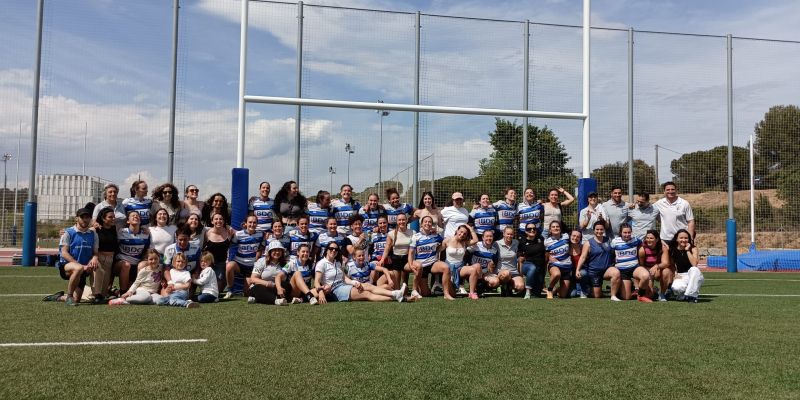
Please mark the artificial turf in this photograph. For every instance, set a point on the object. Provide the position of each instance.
(723, 347)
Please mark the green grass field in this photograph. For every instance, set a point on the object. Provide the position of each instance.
(725, 347)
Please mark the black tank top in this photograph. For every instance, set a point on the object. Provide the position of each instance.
(681, 259)
(108, 239)
(218, 249)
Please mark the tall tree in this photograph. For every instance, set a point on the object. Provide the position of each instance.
(616, 174)
(777, 143)
(706, 170)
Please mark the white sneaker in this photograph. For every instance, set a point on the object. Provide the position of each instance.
(397, 295)
(415, 294)
(462, 291)
(583, 295)
(281, 302)
(403, 288)
(615, 298)
(662, 297)
(191, 304)
(527, 295)
(251, 300)
(313, 301)
(229, 295)
(296, 300)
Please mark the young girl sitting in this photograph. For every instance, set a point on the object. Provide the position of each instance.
(146, 287)
(207, 280)
(179, 284)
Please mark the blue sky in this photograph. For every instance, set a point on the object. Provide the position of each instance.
(106, 71)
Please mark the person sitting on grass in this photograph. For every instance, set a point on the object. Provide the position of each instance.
(78, 256)
(626, 254)
(247, 245)
(333, 284)
(423, 257)
(558, 257)
(146, 289)
(179, 284)
(455, 249)
(267, 281)
(684, 257)
(300, 272)
(209, 291)
(654, 255)
(597, 257)
(484, 260)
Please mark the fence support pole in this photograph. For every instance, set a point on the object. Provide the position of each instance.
(525, 83)
(415, 191)
(731, 225)
(630, 115)
(171, 155)
(299, 90)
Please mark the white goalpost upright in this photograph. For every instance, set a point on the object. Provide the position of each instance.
(245, 98)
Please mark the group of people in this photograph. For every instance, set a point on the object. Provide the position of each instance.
(291, 250)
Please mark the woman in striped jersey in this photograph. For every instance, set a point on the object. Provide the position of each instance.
(300, 271)
(139, 202)
(247, 245)
(423, 257)
(506, 209)
(331, 235)
(344, 208)
(278, 233)
(133, 243)
(370, 212)
(557, 247)
(300, 236)
(394, 207)
(530, 212)
(484, 217)
(319, 212)
(377, 247)
(626, 254)
(485, 259)
(262, 207)
(357, 239)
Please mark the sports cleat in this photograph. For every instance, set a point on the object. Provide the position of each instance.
(296, 300)
(437, 288)
(662, 297)
(415, 294)
(462, 291)
(397, 295)
(583, 296)
(54, 297)
(191, 304)
(281, 302)
(527, 295)
(71, 302)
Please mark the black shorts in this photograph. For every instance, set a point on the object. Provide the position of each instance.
(65, 277)
(426, 271)
(596, 277)
(397, 264)
(626, 274)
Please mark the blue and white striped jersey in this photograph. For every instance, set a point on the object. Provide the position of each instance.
(246, 247)
(530, 213)
(426, 247)
(342, 212)
(296, 239)
(131, 246)
(484, 219)
(325, 238)
(377, 245)
(559, 249)
(264, 212)
(484, 255)
(192, 255)
(317, 217)
(626, 253)
(359, 272)
(294, 265)
(506, 213)
(370, 218)
(392, 213)
(142, 206)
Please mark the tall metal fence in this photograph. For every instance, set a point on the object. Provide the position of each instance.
(106, 80)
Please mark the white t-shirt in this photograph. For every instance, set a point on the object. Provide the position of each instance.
(180, 276)
(674, 216)
(332, 272)
(208, 281)
(160, 237)
(453, 218)
(588, 231)
(265, 271)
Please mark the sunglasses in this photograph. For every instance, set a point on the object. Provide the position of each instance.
(530, 229)
(167, 192)
(193, 190)
(333, 248)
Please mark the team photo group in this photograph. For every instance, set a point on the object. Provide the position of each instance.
(164, 250)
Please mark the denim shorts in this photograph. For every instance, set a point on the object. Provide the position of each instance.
(341, 292)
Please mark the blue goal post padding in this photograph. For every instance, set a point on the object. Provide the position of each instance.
(761, 260)
(239, 197)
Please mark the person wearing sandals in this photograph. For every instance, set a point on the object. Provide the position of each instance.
(557, 247)
(455, 250)
(596, 259)
(688, 277)
(78, 256)
(654, 255)
(268, 283)
(146, 288)
(626, 256)
(532, 254)
(299, 271)
(333, 284)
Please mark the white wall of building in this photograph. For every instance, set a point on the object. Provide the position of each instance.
(59, 196)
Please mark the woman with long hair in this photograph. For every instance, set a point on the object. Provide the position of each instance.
(654, 255)
(197, 230)
(290, 204)
(553, 208)
(247, 245)
(345, 207)
(111, 200)
(484, 217)
(423, 258)
(575, 249)
(684, 256)
(484, 259)
(217, 242)
(108, 244)
(455, 249)
(161, 233)
(529, 211)
(263, 208)
(216, 203)
(319, 211)
(626, 256)
(395, 252)
(427, 207)
(510, 264)
(302, 236)
(333, 284)
(557, 246)
(532, 253)
(331, 235)
(394, 207)
(166, 196)
(506, 209)
(139, 202)
(190, 203)
(370, 212)
(133, 243)
(300, 272)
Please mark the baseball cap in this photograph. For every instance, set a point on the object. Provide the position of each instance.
(85, 210)
(592, 194)
(457, 195)
(275, 244)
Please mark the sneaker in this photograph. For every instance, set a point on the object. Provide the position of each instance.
(54, 297)
(313, 301)
(70, 301)
(229, 295)
(645, 299)
(473, 296)
(437, 288)
(662, 297)
(99, 299)
(583, 295)
(296, 300)
(462, 291)
(681, 297)
(415, 294)
(527, 295)
(191, 304)
(403, 288)
(692, 299)
(281, 302)
(250, 300)
(549, 294)
(615, 298)
(397, 295)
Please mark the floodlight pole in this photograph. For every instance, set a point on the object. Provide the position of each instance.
(173, 91)
(349, 150)
(587, 20)
(752, 198)
(16, 188)
(525, 83)
(331, 171)
(29, 220)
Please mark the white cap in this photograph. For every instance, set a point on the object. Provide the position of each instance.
(275, 244)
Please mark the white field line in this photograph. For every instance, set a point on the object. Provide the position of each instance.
(749, 295)
(30, 276)
(754, 279)
(103, 343)
(23, 294)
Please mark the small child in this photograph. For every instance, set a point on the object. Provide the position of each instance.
(146, 287)
(178, 286)
(207, 279)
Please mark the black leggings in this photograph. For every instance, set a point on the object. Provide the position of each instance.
(268, 295)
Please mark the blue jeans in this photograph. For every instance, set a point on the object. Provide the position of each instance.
(584, 284)
(534, 277)
(206, 298)
(177, 298)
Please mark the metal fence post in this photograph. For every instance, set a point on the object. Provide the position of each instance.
(173, 89)
(415, 191)
(525, 83)
(298, 91)
(731, 225)
(630, 115)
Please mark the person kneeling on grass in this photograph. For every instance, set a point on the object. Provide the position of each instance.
(597, 257)
(423, 257)
(626, 254)
(484, 260)
(333, 284)
(299, 271)
(146, 288)
(179, 284)
(268, 283)
(78, 250)
(684, 256)
(558, 257)
(654, 255)
(209, 291)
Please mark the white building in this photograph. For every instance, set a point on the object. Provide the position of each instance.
(59, 195)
